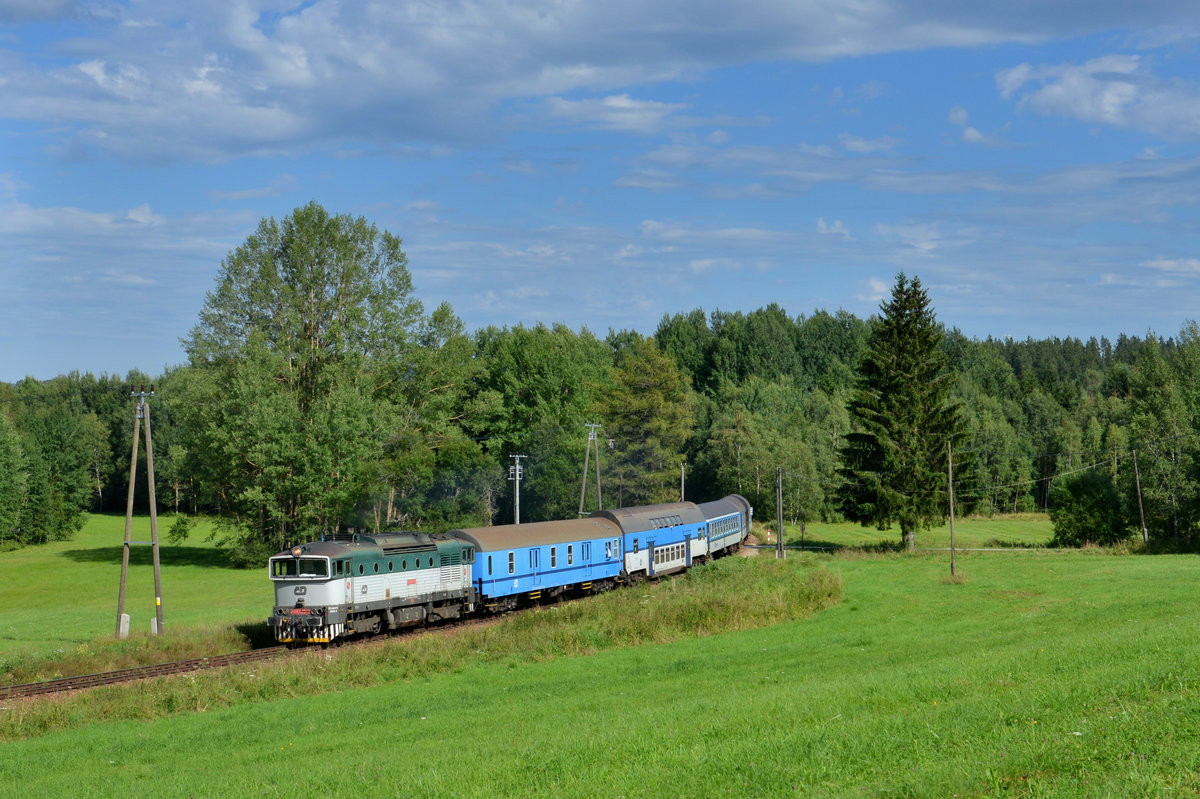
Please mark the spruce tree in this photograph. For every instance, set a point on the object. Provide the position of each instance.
(13, 478)
(902, 420)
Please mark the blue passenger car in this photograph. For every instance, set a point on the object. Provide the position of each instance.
(526, 562)
(659, 539)
(728, 522)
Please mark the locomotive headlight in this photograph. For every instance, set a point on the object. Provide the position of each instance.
(296, 551)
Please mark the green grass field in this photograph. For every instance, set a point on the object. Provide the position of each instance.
(1019, 529)
(1043, 673)
(62, 597)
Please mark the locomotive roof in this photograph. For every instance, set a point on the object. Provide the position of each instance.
(535, 534)
(640, 519)
(338, 545)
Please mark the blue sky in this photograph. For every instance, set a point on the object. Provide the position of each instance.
(603, 163)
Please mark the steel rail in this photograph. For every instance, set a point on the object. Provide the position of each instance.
(84, 681)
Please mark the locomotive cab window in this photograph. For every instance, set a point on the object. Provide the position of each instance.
(300, 567)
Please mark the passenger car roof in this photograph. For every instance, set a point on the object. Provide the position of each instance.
(536, 534)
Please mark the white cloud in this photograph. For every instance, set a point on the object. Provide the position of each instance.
(925, 237)
(714, 264)
(186, 81)
(1175, 266)
(970, 134)
(873, 290)
(35, 10)
(282, 184)
(973, 135)
(873, 89)
(126, 278)
(856, 144)
(142, 215)
(618, 112)
(1117, 90)
(834, 228)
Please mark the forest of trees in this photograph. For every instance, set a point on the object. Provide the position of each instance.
(319, 394)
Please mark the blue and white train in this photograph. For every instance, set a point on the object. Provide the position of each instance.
(365, 583)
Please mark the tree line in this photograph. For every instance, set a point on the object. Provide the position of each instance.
(319, 394)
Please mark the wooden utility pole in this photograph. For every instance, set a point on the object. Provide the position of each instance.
(593, 441)
(141, 415)
(1141, 513)
(950, 482)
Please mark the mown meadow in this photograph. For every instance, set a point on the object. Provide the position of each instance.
(855, 673)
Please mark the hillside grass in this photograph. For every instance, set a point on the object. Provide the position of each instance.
(1041, 673)
(61, 601)
(1002, 530)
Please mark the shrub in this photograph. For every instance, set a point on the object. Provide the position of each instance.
(1085, 509)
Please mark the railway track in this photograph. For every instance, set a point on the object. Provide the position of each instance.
(84, 681)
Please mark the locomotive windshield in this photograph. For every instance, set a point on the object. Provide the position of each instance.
(299, 567)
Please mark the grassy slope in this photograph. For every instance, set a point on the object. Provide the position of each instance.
(63, 596)
(1020, 529)
(1045, 674)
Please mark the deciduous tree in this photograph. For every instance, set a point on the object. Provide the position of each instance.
(296, 349)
